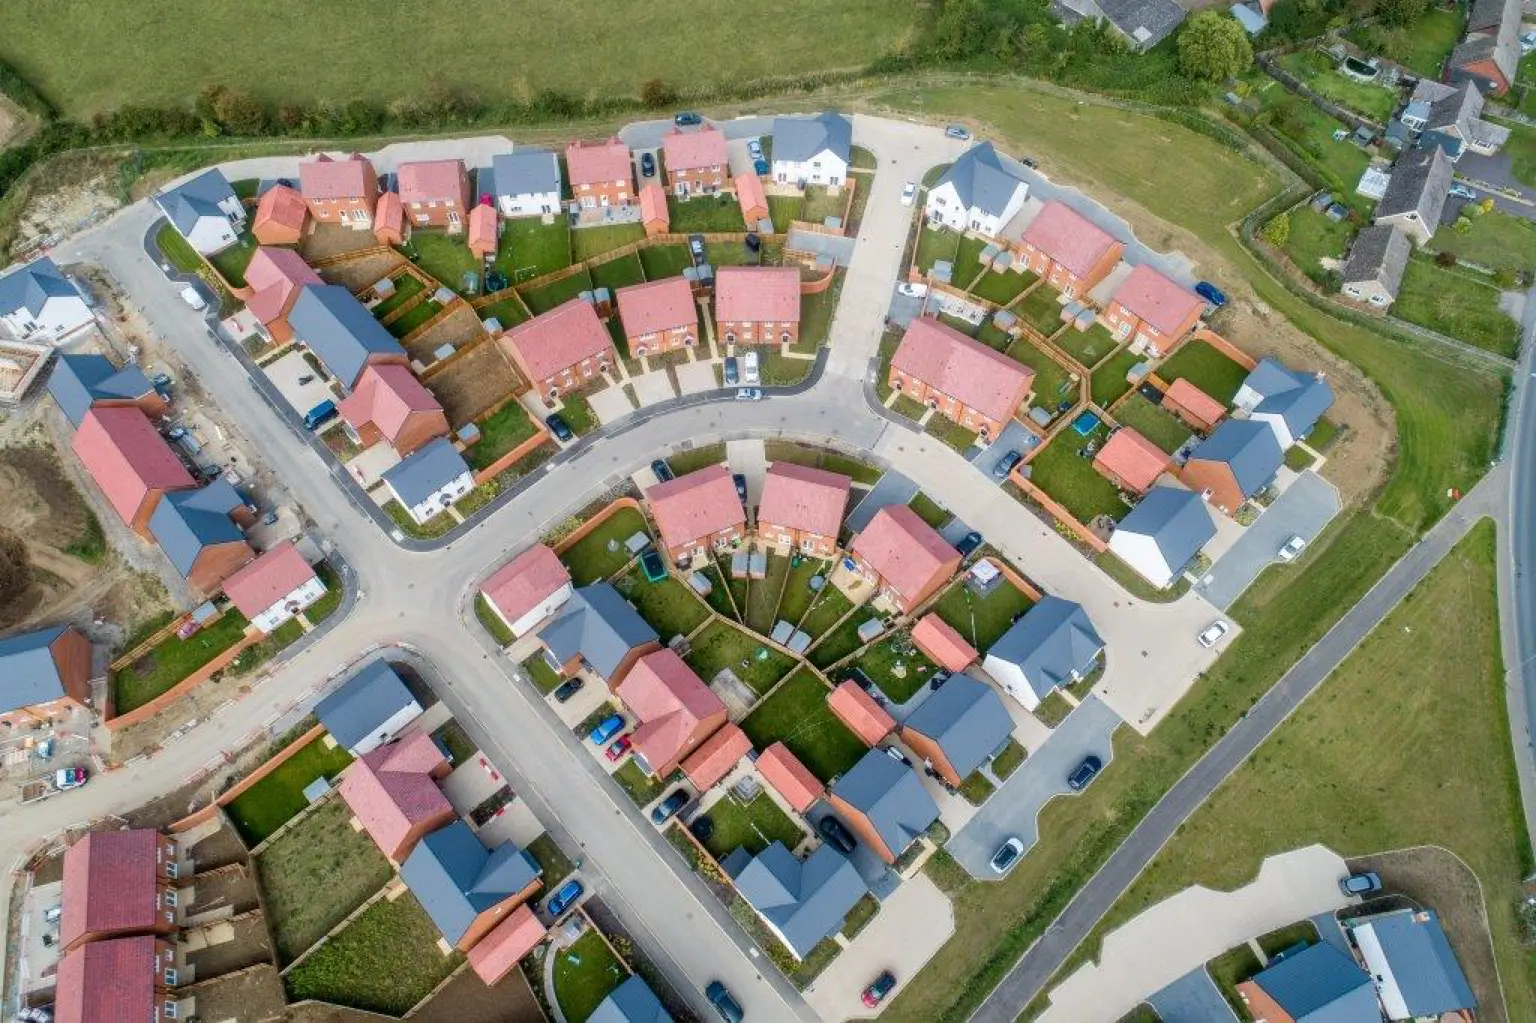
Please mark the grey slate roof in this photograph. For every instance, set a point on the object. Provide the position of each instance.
(1144, 22)
(805, 900)
(891, 796)
(1297, 398)
(632, 1002)
(523, 172)
(598, 624)
(186, 522)
(799, 139)
(1380, 254)
(357, 707)
(429, 467)
(339, 330)
(1423, 963)
(1421, 181)
(79, 380)
(1487, 15)
(456, 878)
(1249, 447)
(981, 178)
(28, 673)
(1177, 521)
(1321, 984)
(31, 285)
(1054, 640)
(966, 718)
(191, 201)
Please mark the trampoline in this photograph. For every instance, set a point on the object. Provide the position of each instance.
(1086, 424)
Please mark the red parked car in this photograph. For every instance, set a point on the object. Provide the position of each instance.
(619, 748)
(878, 989)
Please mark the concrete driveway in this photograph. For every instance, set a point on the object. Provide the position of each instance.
(1193, 998)
(890, 489)
(610, 404)
(284, 373)
(1496, 170)
(1013, 809)
(653, 387)
(1014, 438)
(1305, 507)
(750, 459)
(696, 376)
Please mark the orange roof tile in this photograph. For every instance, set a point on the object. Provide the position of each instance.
(1131, 457)
(559, 339)
(1068, 237)
(942, 643)
(386, 395)
(964, 369)
(903, 549)
(390, 213)
(1154, 298)
(757, 294)
(482, 229)
(750, 196)
(784, 772)
(695, 505)
(597, 163)
(713, 759)
(670, 700)
(1196, 401)
(424, 181)
(688, 151)
(127, 457)
(350, 178)
(494, 956)
(803, 498)
(281, 210)
(858, 710)
(653, 206)
(523, 583)
(657, 306)
(270, 578)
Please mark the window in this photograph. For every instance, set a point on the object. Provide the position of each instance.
(170, 1009)
(730, 337)
(172, 869)
(170, 977)
(170, 897)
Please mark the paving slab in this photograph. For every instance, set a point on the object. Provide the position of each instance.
(696, 376)
(890, 489)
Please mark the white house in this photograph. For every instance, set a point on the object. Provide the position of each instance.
(1052, 646)
(38, 303)
(978, 193)
(275, 587)
(206, 211)
(1289, 402)
(528, 589)
(812, 150)
(368, 710)
(527, 183)
(1162, 534)
(430, 480)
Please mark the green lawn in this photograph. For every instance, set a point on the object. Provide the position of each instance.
(262, 809)
(821, 458)
(968, 261)
(1522, 152)
(896, 666)
(1496, 240)
(981, 621)
(529, 248)
(407, 287)
(500, 432)
(784, 209)
(950, 432)
(1087, 347)
(509, 312)
(1071, 479)
(1007, 762)
(460, 747)
(552, 861)
(1109, 380)
(1230, 969)
(1003, 287)
(172, 660)
(413, 318)
(700, 457)
(1040, 310)
(594, 241)
(722, 645)
(797, 595)
(619, 273)
(589, 559)
(862, 913)
(1316, 70)
(584, 973)
(334, 591)
(1053, 383)
(708, 214)
(752, 826)
(935, 244)
(1313, 237)
(178, 250)
(797, 715)
(816, 316)
(231, 263)
(763, 595)
(1456, 303)
(434, 527)
(547, 297)
(829, 606)
(498, 629)
(1207, 369)
(840, 642)
(444, 257)
(1153, 422)
(929, 511)
(578, 414)
(669, 605)
(642, 788)
(1430, 40)
(545, 679)
(1340, 161)
(662, 261)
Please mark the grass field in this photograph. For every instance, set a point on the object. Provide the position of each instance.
(1053, 382)
(585, 973)
(262, 809)
(668, 605)
(594, 241)
(981, 620)
(1316, 70)
(798, 716)
(1110, 380)
(1457, 303)
(752, 826)
(1071, 479)
(172, 660)
(1207, 369)
(1313, 237)
(1496, 240)
(1522, 153)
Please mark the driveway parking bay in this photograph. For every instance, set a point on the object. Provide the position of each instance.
(890, 489)
(877, 874)
(653, 387)
(1305, 507)
(1014, 438)
(610, 404)
(695, 377)
(285, 374)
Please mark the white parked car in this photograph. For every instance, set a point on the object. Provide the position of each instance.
(1463, 192)
(915, 291)
(908, 193)
(194, 298)
(749, 372)
(1291, 548)
(1213, 633)
(749, 394)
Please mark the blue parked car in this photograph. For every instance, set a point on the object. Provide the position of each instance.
(1210, 293)
(561, 901)
(760, 167)
(606, 729)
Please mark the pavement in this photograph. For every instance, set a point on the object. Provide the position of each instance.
(1193, 998)
(1302, 510)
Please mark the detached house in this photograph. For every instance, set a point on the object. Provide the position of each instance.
(1288, 401)
(979, 193)
(1415, 197)
(275, 277)
(1070, 252)
(803, 903)
(281, 216)
(904, 557)
(1130, 461)
(394, 796)
(43, 673)
(275, 587)
(1451, 117)
(1415, 969)
(696, 512)
(1318, 983)
(561, 350)
(131, 463)
(674, 710)
(757, 305)
(527, 183)
(344, 191)
(82, 382)
(1052, 646)
(528, 589)
(633, 1000)
(1237, 461)
(965, 381)
(205, 211)
(1488, 55)
(601, 173)
(390, 404)
(958, 728)
(1163, 534)
(884, 803)
(659, 316)
(200, 532)
(696, 161)
(341, 332)
(369, 709)
(802, 509)
(434, 193)
(466, 889)
(1153, 309)
(429, 480)
(38, 303)
(1141, 23)
(812, 150)
(598, 630)
(1377, 261)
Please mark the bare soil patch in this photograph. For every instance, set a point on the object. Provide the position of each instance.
(326, 240)
(467, 998)
(253, 994)
(474, 382)
(360, 272)
(460, 327)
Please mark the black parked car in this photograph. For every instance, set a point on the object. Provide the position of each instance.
(836, 833)
(741, 486)
(724, 1003)
(557, 426)
(670, 806)
(662, 470)
(969, 543)
(1085, 773)
(732, 371)
(1004, 465)
(568, 689)
(696, 247)
(647, 165)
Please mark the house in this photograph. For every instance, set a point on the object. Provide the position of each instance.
(281, 216)
(527, 183)
(1236, 462)
(942, 644)
(528, 589)
(484, 230)
(1142, 23)
(965, 381)
(958, 728)
(860, 712)
(658, 317)
(812, 150)
(803, 902)
(1417, 974)
(83, 381)
(390, 404)
(427, 482)
(903, 557)
(601, 173)
(673, 707)
(129, 979)
(369, 709)
(1289, 402)
(118, 884)
(1488, 55)
(632, 1001)
(1377, 260)
(793, 781)
(884, 803)
(1053, 645)
(341, 332)
(978, 193)
(1320, 983)
(717, 756)
(654, 214)
(205, 211)
(344, 191)
(696, 161)
(434, 193)
(200, 532)
(1163, 534)
(1066, 249)
(131, 463)
(1196, 408)
(1421, 181)
(274, 588)
(752, 200)
(43, 673)
(1153, 309)
(276, 277)
(393, 793)
(757, 305)
(802, 508)
(38, 303)
(466, 889)
(389, 224)
(561, 350)
(1451, 117)
(504, 947)
(599, 630)
(696, 512)
(1130, 461)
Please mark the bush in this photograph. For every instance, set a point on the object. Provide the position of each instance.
(656, 93)
(1445, 259)
(1278, 231)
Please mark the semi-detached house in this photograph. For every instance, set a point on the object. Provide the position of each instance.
(1067, 250)
(757, 305)
(1153, 310)
(561, 350)
(963, 380)
(344, 191)
(658, 316)
(697, 512)
(275, 277)
(696, 161)
(674, 710)
(979, 193)
(802, 509)
(601, 173)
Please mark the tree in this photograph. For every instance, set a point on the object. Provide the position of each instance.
(1214, 47)
(1278, 230)
(1445, 258)
(1401, 12)
(656, 94)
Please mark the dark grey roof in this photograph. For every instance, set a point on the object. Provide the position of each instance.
(1380, 254)
(357, 707)
(1145, 22)
(1459, 108)
(1176, 520)
(632, 1002)
(982, 179)
(598, 624)
(805, 900)
(966, 718)
(28, 673)
(193, 200)
(1323, 984)
(186, 522)
(523, 172)
(1493, 33)
(891, 796)
(1423, 963)
(456, 878)
(1297, 398)
(1487, 15)
(31, 285)
(78, 381)
(420, 474)
(339, 330)
(799, 139)
(1421, 180)
(1053, 641)
(1249, 448)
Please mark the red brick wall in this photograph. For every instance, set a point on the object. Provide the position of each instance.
(72, 655)
(419, 428)
(770, 533)
(950, 408)
(699, 179)
(861, 827)
(621, 194)
(931, 751)
(664, 341)
(481, 926)
(1202, 475)
(757, 332)
(217, 563)
(329, 210)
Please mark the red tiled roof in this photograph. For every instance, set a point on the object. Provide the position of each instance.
(108, 981)
(858, 710)
(519, 586)
(1132, 458)
(653, 205)
(350, 178)
(1156, 299)
(109, 884)
(903, 549)
(785, 773)
(1068, 237)
(386, 395)
(657, 306)
(966, 370)
(127, 457)
(750, 196)
(758, 294)
(669, 700)
(942, 643)
(803, 498)
(280, 206)
(276, 275)
(390, 213)
(390, 790)
(1196, 401)
(715, 757)
(695, 505)
(559, 339)
(269, 579)
(482, 227)
(423, 181)
(597, 163)
(687, 151)
(504, 946)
